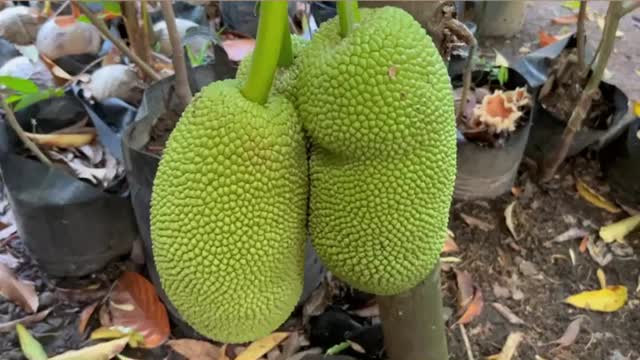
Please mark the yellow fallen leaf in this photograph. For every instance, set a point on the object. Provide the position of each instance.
(509, 348)
(105, 350)
(116, 332)
(594, 198)
(450, 259)
(260, 347)
(61, 140)
(602, 279)
(618, 230)
(609, 299)
(636, 104)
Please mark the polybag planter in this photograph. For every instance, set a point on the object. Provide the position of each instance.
(141, 167)
(70, 227)
(488, 172)
(547, 130)
(620, 163)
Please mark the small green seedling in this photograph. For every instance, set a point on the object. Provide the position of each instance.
(200, 58)
(25, 92)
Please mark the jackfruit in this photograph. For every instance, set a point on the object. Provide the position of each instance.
(378, 108)
(284, 77)
(228, 216)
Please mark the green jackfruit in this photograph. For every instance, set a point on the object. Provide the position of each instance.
(228, 214)
(284, 77)
(378, 109)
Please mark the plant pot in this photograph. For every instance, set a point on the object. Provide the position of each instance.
(70, 227)
(547, 129)
(620, 162)
(499, 18)
(141, 167)
(488, 172)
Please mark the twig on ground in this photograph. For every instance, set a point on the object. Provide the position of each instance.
(465, 339)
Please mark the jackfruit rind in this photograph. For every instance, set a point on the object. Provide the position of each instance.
(379, 111)
(229, 212)
(383, 90)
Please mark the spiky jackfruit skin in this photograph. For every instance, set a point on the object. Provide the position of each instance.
(378, 108)
(284, 77)
(228, 215)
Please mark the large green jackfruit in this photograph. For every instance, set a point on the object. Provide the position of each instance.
(228, 214)
(378, 109)
(284, 77)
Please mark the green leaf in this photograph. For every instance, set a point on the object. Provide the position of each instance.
(192, 56)
(84, 19)
(30, 99)
(573, 5)
(31, 348)
(21, 85)
(503, 75)
(112, 6)
(13, 98)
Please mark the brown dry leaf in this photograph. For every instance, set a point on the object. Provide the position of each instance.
(474, 309)
(594, 198)
(316, 304)
(17, 291)
(473, 221)
(465, 289)
(545, 39)
(85, 315)
(134, 304)
(570, 334)
(508, 216)
(195, 349)
(106, 350)
(292, 345)
(599, 252)
(238, 49)
(507, 314)
(565, 20)
(223, 353)
(27, 320)
(571, 234)
(63, 141)
(370, 311)
(59, 75)
(262, 346)
(449, 243)
(583, 244)
(510, 347)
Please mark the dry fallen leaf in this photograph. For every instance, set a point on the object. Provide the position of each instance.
(465, 290)
(602, 279)
(609, 299)
(17, 291)
(450, 243)
(85, 315)
(472, 221)
(507, 314)
(238, 49)
(117, 332)
(262, 346)
(599, 252)
(316, 304)
(571, 234)
(27, 320)
(195, 349)
(510, 347)
(474, 309)
(106, 350)
(545, 39)
(618, 230)
(594, 198)
(565, 20)
(570, 334)
(583, 244)
(508, 215)
(134, 304)
(63, 141)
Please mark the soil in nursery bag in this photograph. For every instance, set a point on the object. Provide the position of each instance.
(492, 133)
(75, 216)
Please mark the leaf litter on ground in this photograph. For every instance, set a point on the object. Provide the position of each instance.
(570, 334)
(475, 222)
(19, 292)
(262, 346)
(27, 320)
(609, 299)
(134, 304)
(508, 215)
(469, 297)
(507, 314)
(618, 230)
(90, 162)
(510, 347)
(195, 349)
(571, 234)
(594, 198)
(30, 347)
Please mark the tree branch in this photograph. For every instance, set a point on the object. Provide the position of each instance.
(13, 122)
(104, 31)
(612, 20)
(580, 34)
(629, 6)
(183, 92)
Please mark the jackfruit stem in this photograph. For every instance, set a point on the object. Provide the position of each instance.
(286, 52)
(348, 15)
(271, 25)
